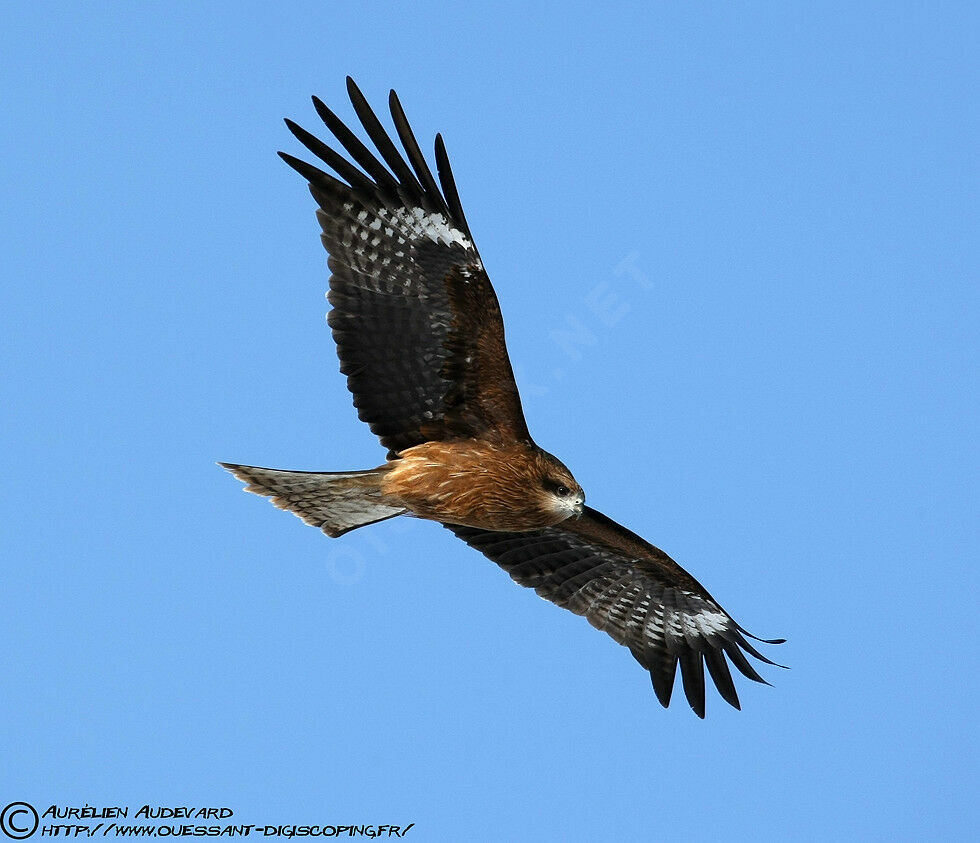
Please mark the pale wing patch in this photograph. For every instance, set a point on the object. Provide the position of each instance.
(702, 619)
(694, 618)
(379, 241)
(712, 621)
(413, 224)
(432, 226)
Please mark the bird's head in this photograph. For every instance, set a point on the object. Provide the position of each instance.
(559, 494)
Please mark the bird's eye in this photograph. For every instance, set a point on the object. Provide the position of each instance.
(563, 491)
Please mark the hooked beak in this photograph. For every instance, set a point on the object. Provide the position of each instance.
(579, 506)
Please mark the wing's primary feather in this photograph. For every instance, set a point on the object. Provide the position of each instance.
(415, 318)
(415, 156)
(634, 592)
(334, 160)
(372, 125)
(357, 150)
(449, 184)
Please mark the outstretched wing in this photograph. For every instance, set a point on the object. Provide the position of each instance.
(633, 591)
(417, 324)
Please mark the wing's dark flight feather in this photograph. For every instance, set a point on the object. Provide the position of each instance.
(752, 651)
(357, 150)
(379, 137)
(415, 157)
(313, 175)
(663, 667)
(763, 640)
(417, 323)
(449, 185)
(743, 664)
(635, 593)
(347, 171)
(721, 676)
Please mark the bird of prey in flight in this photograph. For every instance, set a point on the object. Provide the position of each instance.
(421, 341)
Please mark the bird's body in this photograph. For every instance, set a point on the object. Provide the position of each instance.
(420, 337)
(475, 483)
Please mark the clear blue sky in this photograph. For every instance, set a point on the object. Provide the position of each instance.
(766, 214)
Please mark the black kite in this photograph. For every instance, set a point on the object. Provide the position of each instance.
(421, 341)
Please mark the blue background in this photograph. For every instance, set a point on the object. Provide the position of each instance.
(736, 248)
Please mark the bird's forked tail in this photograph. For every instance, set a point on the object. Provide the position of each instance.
(336, 502)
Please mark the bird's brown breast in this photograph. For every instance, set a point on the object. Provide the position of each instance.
(470, 482)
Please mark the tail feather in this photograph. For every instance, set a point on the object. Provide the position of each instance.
(336, 502)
